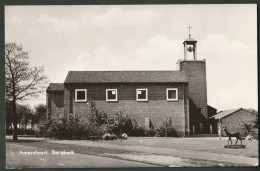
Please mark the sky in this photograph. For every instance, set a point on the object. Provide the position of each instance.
(143, 37)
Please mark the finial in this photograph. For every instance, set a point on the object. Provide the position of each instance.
(189, 30)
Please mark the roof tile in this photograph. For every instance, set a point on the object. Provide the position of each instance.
(125, 76)
(225, 113)
(56, 87)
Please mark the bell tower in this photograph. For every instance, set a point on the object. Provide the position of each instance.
(190, 45)
(195, 70)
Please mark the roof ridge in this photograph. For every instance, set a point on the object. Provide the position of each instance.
(230, 109)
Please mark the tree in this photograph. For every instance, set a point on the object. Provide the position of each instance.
(255, 113)
(21, 81)
(24, 116)
(8, 118)
(40, 113)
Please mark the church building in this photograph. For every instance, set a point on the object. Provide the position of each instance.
(149, 97)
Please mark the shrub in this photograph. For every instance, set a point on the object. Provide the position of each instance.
(166, 129)
(160, 132)
(137, 131)
(119, 124)
(123, 123)
(149, 132)
(254, 133)
(42, 129)
(171, 132)
(71, 127)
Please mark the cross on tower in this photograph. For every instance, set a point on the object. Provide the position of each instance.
(189, 30)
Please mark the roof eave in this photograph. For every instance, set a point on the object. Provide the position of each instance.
(183, 82)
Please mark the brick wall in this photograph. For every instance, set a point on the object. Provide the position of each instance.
(55, 103)
(233, 121)
(196, 72)
(157, 108)
(126, 91)
(211, 111)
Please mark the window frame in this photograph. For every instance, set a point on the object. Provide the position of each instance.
(146, 98)
(167, 94)
(111, 100)
(76, 98)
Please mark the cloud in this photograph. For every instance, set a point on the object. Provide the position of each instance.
(58, 24)
(82, 56)
(96, 59)
(119, 17)
(231, 72)
(159, 52)
(240, 94)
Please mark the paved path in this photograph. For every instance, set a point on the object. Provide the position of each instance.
(16, 160)
(217, 157)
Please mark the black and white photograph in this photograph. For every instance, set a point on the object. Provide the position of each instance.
(131, 86)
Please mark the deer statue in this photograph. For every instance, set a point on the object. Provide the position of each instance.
(233, 134)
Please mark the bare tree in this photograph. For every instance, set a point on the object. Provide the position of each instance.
(21, 81)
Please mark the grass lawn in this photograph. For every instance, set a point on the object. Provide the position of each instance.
(82, 158)
(212, 145)
(203, 144)
(207, 144)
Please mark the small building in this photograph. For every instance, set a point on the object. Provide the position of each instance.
(149, 97)
(55, 99)
(233, 119)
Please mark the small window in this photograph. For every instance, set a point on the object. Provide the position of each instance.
(172, 94)
(141, 94)
(80, 95)
(111, 94)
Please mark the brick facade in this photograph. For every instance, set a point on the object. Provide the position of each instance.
(189, 113)
(157, 108)
(233, 121)
(197, 92)
(140, 110)
(196, 72)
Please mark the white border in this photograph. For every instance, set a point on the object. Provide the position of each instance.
(76, 90)
(146, 98)
(176, 99)
(111, 100)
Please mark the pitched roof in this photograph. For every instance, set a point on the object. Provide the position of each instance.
(190, 40)
(126, 77)
(56, 87)
(225, 113)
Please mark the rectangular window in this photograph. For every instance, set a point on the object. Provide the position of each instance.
(81, 95)
(111, 94)
(172, 94)
(141, 94)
